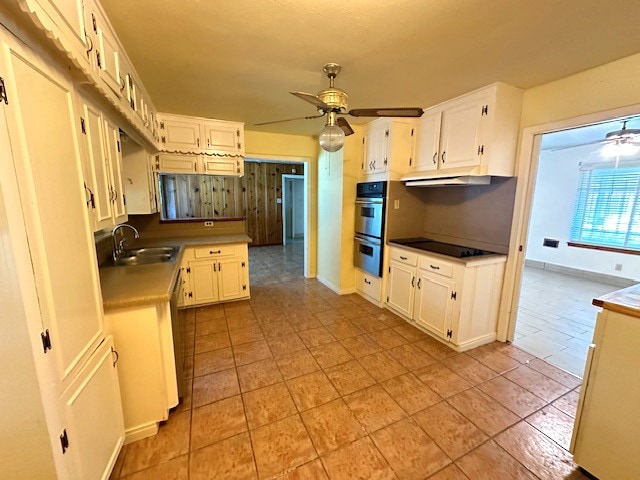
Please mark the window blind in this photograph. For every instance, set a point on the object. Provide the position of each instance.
(607, 208)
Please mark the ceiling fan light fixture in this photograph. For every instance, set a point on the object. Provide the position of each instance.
(619, 148)
(331, 138)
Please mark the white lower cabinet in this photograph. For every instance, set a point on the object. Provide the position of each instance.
(454, 301)
(369, 285)
(215, 273)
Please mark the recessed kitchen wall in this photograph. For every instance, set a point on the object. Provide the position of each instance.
(476, 216)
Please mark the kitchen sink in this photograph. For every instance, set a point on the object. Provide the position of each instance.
(147, 255)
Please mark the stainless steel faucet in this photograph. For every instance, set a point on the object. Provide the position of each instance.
(118, 247)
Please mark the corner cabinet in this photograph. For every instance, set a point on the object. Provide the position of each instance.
(388, 147)
(456, 302)
(215, 273)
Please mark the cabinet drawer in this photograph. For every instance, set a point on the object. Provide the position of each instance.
(405, 257)
(436, 266)
(214, 251)
(368, 284)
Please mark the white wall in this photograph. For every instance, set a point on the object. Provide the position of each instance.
(552, 211)
(329, 217)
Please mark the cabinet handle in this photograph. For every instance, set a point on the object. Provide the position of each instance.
(211, 252)
(402, 258)
(90, 41)
(435, 158)
(413, 281)
(195, 166)
(198, 142)
(443, 156)
(367, 281)
(434, 267)
(219, 267)
(115, 352)
(419, 282)
(215, 266)
(208, 143)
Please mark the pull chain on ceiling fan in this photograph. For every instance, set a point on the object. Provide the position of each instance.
(332, 102)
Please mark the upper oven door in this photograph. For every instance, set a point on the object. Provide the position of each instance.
(369, 216)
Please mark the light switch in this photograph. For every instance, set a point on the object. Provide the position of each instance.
(396, 204)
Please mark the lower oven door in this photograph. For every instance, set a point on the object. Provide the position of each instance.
(367, 255)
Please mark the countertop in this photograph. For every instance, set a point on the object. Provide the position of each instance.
(130, 286)
(626, 301)
(467, 261)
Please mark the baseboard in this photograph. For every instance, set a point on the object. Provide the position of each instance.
(331, 286)
(140, 432)
(585, 274)
(476, 342)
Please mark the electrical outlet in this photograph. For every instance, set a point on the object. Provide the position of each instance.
(396, 204)
(618, 267)
(208, 224)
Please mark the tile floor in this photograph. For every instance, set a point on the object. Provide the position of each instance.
(300, 383)
(556, 319)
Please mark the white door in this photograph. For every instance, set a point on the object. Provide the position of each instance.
(115, 171)
(401, 288)
(94, 425)
(203, 281)
(172, 163)
(433, 304)
(427, 142)
(221, 137)
(231, 282)
(180, 135)
(461, 134)
(49, 173)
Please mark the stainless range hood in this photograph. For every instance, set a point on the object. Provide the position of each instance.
(449, 181)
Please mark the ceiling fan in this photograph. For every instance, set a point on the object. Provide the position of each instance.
(332, 103)
(617, 143)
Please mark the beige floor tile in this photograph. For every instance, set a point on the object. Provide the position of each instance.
(171, 441)
(297, 364)
(359, 460)
(493, 359)
(246, 335)
(316, 337)
(374, 408)
(442, 380)
(259, 374)
(176, 469)
(556, 425)
(410, 393)
(565, 378)
(469, 368)
(360, 346)
(368, 324)
(309, 471)
(215, 386)
(281, 446)
(382, 366)
(512, 351)
(212, 361)
(537, 452)
(277, 330)
(285, 345)
(268, 404)
(410, 332)
(490, 462)
(517, 399)
(331, 426)
(385, 316)
(311, 390)
(449, 473)
(568, 403)
(251, 352)
(209, 312)
(210, 326)
(349, 377)
(217, 421)
(330, 354)
(343, 330)
(537, 383)
(409, 451)
(451, 431)
(230, 458)
(241, 320)
(329, 317)
(213, 341)
(387, 338)
(435, 348)
(412, 357)
(487, 414)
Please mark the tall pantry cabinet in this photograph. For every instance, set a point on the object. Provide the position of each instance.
(48, 256)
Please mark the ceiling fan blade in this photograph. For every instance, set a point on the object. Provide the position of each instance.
(344, 125)
(387, 112)
(311, 117)
(312, 99)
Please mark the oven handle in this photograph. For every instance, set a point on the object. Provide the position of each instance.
(367, 240)
(370, 201)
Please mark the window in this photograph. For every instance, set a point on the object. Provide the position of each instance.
(607, 209)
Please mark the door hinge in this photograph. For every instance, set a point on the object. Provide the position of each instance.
(386, 133)
(387, 298)
(190, 295)
(385, 161)
(389, 269)
(118, 143)
(363, 140)
(124, 199)
(412, 132)
(244, 264)
(83, 128)
(480, 149)
(239, 146)
(244, 287)
(485, 110)
(161, 125)
(46, 340)
(449, 333)
(410, 161)
(93, 23)
(3, 92)
(453, 295)
(162, 139)
(188, 269)
(520, 248)
(64, 441)
(98, 57)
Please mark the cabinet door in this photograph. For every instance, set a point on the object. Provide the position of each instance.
(231, 278)
(97, 165)
(220, 165)
(203, 281)
(222, 137)
(173, 163)
(376, 145)
(401, 288)
(427, 142)
(115, 171)
(461, 134)
(433, 304)
(108, 57)
(93, 412)
(180, 135)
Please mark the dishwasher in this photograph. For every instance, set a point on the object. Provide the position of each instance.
(178, 329)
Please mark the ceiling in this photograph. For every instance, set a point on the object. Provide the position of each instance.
(237, 59)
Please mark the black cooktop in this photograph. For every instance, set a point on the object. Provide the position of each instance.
(458, 251)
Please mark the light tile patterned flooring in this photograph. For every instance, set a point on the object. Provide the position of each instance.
(556, 318)
(300, 383)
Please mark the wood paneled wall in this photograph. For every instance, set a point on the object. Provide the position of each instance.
(253, 196)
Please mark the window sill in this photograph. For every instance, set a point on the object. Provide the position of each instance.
(604, 248)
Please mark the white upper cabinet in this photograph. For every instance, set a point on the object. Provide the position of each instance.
(139, 178)
(179, 134)
(388, 148)
(104, 46)
(223, 137)
(114, 155)
(376, 147)
(475, 134)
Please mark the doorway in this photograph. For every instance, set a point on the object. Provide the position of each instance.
(582, 238)
(292, 209)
